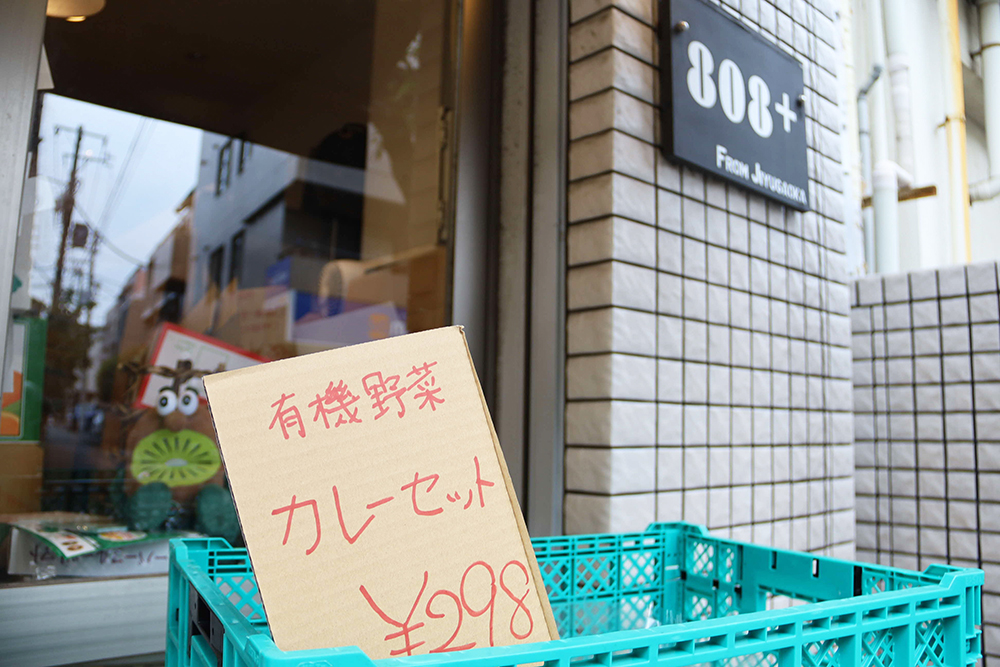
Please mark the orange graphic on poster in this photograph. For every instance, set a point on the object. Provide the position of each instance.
(10, 408)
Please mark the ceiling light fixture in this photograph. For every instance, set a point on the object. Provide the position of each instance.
(73, 11)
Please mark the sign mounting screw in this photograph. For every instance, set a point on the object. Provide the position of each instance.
(681, 26)
(801, 100)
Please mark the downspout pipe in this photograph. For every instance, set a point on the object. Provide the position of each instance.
(865, 137)
(887, 176)
(955, 133)
(989, 37)
(898, 64)
(879, 116)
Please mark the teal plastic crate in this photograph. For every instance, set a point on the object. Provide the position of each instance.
(670, 596)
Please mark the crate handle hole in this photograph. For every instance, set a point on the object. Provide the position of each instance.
(815, 567)
(774, 560)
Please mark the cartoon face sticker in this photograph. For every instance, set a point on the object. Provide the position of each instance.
(175, 444)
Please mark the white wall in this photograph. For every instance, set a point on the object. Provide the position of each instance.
(21, 27)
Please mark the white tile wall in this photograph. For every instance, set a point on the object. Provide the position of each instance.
(926, 477)
(708, 337)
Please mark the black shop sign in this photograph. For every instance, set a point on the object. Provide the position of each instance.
(732, 102)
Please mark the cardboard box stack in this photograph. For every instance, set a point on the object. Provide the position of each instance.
(21, 477)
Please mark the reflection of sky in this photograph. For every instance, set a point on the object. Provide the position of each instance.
(163, 170)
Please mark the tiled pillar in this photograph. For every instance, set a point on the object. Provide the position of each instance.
(708, 370)
(927, 424)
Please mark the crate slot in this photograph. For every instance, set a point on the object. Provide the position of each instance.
(781, 631)
(899, 610)
(816, 624)
(845, 621)
(599, 660)
(711, 643)
(877, 613)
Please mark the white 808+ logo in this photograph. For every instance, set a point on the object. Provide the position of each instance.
(731, 92)
(699, 77)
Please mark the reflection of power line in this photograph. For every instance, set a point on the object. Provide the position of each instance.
(118, 251)
(101, 283)
(56, 181)
(98, 183)
(124, 174)
(46, 279)
(98, 236)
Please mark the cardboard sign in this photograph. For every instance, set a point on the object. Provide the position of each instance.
(375, 501)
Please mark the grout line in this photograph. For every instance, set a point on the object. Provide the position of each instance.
(889, 439)
(875, 413)
(656, 382)
(975, 440)
(916, 440)
(944, 425)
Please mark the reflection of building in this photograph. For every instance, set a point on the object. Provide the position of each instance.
(257, 205)
(114, 327)
(168, 268)
(286, 258)
(152, 294)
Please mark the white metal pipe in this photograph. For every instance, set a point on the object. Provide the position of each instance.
(989, 35)
(955, 133)
(885, 202)
(984, 190)
(885, 188)
(898, 63)
(868, 212)
(865, 141)
(877, 102)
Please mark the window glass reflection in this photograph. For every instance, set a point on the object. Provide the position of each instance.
(199, 200)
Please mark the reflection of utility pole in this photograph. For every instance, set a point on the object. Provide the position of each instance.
(67, 206)
(90, 278)
(67, 214)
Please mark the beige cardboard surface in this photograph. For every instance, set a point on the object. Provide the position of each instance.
(375, 502)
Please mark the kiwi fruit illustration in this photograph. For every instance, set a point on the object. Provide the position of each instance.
(181, 458)
(174, 444)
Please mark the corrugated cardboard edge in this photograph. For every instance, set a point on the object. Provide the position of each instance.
(529, 550)
(207, 380)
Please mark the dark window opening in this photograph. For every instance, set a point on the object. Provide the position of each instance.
(225, 168)
(236, 258)
(246, 150)
(215, 268)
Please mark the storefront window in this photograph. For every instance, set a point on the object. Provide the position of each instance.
(208, 191)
